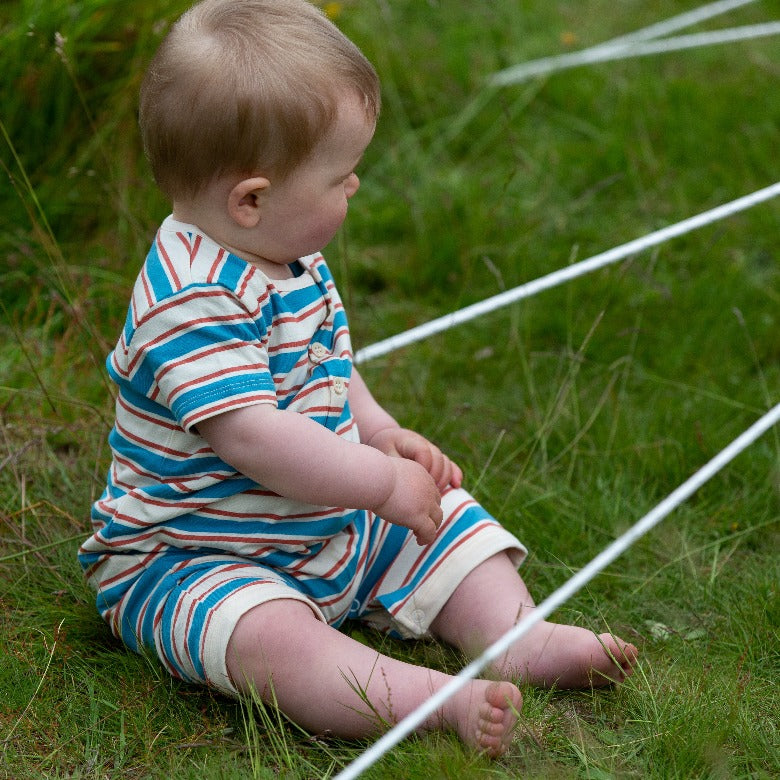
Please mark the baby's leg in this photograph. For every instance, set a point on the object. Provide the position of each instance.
(326, 681)
(492, 598)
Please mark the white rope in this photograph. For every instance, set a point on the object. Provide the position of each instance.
(564, 274)
(640, 49)
(678, 42)
(679, 22)
(554, 63)
(684, 491)
(568, 589)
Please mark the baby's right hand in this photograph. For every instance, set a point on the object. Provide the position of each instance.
(414, 501)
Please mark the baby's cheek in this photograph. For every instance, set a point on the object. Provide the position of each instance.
(327, 226)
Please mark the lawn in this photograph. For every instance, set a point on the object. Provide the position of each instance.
(573, 413)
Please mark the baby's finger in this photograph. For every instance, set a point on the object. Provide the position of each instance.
(426, 534)
(437, 516)
(456, 475)
(426, 458)
(438, 467)
(449, 474)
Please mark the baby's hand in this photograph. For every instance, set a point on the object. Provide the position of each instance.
(403, 443)
(414, 501)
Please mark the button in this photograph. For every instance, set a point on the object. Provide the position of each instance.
(339, 385)
(418, 616)
(318, 350)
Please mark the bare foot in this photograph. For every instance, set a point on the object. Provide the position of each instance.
(552, 654)
(484, 714)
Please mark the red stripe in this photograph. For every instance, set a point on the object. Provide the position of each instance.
(167, 533)
(154, 446)
(189, 324)
(314, 308)
(157, 421)
(195, 248)
(207, 622)
(202, 354)
(248, 368)
(211, 411)
(288, 345)
(461, 541)
(184, 241)
(147, 289)
(212, 274)
(247, 278)
(424, 554)
(167, 262)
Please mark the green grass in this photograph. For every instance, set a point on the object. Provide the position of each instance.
(577, 412)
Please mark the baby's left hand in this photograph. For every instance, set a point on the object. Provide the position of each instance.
(403, 443)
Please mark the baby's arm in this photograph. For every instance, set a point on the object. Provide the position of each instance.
(379, 430)
(301, 459)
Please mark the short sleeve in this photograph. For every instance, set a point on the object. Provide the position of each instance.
(199, 353)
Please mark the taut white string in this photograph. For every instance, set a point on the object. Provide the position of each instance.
(622, 43)
(678, 22)
(564, 274)
(640, 49)
(558, 597)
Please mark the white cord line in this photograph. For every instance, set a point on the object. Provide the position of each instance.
(679, 22)
(558, 597)
(743, 33)
(554, 63)
(563, 275)
(640, 49)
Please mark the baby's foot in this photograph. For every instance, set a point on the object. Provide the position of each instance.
(484, 714)
(564, 656)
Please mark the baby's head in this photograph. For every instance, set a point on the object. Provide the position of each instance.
(246, 86)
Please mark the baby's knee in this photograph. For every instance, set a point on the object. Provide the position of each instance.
(261, 637)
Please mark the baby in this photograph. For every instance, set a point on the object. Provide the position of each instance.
(258, 494)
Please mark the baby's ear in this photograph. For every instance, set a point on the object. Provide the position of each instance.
(244, 201)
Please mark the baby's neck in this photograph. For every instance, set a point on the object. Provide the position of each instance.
(216, 229)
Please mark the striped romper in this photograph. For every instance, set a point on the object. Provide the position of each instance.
(182, 544)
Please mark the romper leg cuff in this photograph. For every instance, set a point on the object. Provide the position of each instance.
(217, 638)
(200, 615)
(421, 580)
(414, 618)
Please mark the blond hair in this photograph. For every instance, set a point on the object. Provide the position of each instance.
(246, 86)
